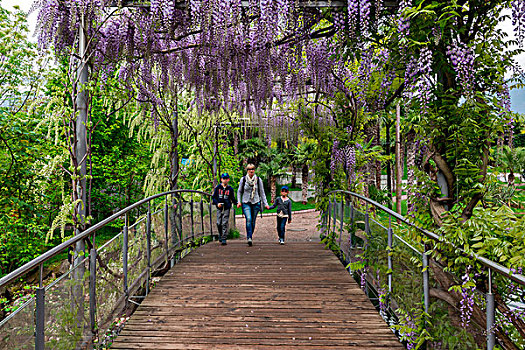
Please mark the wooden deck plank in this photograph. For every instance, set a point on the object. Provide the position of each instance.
(296, 296)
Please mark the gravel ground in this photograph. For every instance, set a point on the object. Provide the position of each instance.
(302, 229)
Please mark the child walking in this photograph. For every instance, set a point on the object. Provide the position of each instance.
(223, 197)
(284, 212)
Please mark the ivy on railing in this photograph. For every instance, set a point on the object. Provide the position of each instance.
(400, 267)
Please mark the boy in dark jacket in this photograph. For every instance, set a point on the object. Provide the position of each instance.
(284, 212)
(223, 197)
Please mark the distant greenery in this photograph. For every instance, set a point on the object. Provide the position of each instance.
(30, 185)
(296, 206)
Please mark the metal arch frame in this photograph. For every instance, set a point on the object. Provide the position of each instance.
(245, 3)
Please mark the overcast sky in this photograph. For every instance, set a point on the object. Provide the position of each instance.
(518, 97)
(25, 5)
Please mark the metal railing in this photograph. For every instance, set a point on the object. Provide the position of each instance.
(342, 217)
(76, 309)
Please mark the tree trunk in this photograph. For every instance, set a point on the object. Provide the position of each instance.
(294, 176)
(235, 142)
(304, 184)
(388, 165)
(500, 141)
(411, 164)
(273, 187)
(512, 178)
(174, 174)
(511, 138)
(398, 159)
(370, 168)
(174, 151)
(378, 163)
(215, 154)
(79, 156)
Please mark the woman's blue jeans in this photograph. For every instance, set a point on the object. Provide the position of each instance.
(250, 212)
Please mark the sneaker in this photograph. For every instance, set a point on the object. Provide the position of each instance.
(250, 242)
(281, 241)
(223, 242)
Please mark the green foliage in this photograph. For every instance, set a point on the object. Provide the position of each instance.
(412, 327)
(253, 150)
(234, 234)
(119, 162)
(381, 197)
(29, 184)
(445, 334)
(20, 64)
(497, 193)
(462, 122)
(303, 153)
(194, 175)
(494, 233)
(274, 165)
(512, 160)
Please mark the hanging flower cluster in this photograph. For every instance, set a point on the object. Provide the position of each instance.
(360, 17)
(410, 336)
(382, 294)
(466, 305)
(462, 58)
(425, 79)
(518, 14)
(345, 157)
(403, 22)
(504, 104)
(230, 56)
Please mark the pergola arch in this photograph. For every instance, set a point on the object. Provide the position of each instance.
(86, 56)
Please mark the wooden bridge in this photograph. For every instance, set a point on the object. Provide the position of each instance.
(235, 297)
(262, 297)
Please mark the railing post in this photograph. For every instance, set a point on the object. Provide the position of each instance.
(192, 221)
(351, 236)
(181, 205)
(341, 223)
(125, 256)
(211, 221)
(365, 248)
(148, 247)
(352, 214)
(324, 222)
(40, 313)
(166, 228)
(93, 291)
(367, 221)
(329, 215)
(335, 215)
(202, 217)
(234, 219)
(390, 252)
(426, 286)
(174, 227)
(491, 315)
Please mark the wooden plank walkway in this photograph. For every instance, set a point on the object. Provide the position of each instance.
(268, 296)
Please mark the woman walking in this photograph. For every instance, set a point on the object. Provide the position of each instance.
(252, 198)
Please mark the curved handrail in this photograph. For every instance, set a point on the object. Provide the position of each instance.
(484, 261)
(61, 247)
